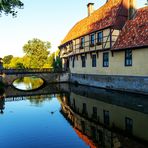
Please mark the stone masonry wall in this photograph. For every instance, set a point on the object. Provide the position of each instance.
(134, 84)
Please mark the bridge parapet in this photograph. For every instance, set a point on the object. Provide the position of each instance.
(33, 70)
(48, 76)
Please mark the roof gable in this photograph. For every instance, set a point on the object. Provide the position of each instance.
(135, 32)
(103, 17)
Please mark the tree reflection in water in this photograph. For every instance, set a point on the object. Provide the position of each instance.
(38, 100)
(28, 83)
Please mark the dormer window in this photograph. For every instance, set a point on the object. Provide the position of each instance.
(99, 38)
(82, 42)
(92, 40)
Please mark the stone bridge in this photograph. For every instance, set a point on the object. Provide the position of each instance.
(9, 76)
(57, 88)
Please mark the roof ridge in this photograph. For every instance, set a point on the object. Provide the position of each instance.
(101, 18)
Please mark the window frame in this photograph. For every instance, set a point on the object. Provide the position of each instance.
(73, 62)
(128, 124)
(82, 42)
(94, 60)
(106, 116)
(99, 40)
(92, 39)
(95, 112)
(83, 59)
(128, 57)
(106, 59)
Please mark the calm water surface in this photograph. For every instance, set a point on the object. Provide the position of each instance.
(71, 116)
(31, 123)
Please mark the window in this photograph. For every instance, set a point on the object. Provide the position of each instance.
(105, 59)
(82, 43)
(83, 126)
(73, 62)
(128, 125)
(106, 117)
(94, 115)
(84, 110)
(71, 46)
(128, 58)
(83, 61)
(94, 60)
(74, 104)
(92, 40)
(99, 38)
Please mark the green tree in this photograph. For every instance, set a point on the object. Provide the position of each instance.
(57, 64)
(26, 61)
(9, 6)
(49, 62)
(19, 66)
(37, 51)
(7, 59)
(16, 62)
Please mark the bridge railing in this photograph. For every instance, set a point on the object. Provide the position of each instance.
(33, 70)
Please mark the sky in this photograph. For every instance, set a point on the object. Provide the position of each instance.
(47, 20)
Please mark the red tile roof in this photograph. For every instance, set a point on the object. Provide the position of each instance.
(135, 32)
(103, 17)
(85, 139)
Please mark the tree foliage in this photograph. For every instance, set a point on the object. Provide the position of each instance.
(16, 62)
(9, 6)
(57, 64)
(7, 59)
(50, 61)
(37, 51)
(36, 56)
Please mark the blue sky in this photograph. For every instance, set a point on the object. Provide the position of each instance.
(48, 20)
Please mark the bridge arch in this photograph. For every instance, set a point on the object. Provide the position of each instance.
(27, 75)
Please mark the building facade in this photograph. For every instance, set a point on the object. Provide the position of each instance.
(109, 48)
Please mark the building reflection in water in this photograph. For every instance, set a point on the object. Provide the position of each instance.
(106, 118)
(100, 117)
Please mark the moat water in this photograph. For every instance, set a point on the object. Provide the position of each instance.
(69, 116)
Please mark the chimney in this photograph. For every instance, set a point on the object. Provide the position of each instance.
(131, 9)
(90, 7)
